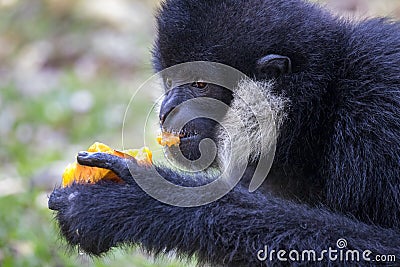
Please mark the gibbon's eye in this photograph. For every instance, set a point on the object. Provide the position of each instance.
(200, 85)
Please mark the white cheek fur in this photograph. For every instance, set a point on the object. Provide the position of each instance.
(261, 114)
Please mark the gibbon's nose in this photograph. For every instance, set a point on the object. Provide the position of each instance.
(171, 101)
(167, 106)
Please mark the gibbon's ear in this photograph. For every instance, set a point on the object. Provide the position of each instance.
(273, 66)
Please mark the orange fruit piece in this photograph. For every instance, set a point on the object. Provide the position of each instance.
(86, 175)
(168, 139)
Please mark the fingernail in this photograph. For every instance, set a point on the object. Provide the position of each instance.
(83, 154)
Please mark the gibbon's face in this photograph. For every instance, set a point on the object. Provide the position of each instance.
(181, 111)
(253, 116)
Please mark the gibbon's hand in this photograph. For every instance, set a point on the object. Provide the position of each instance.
(122, 167)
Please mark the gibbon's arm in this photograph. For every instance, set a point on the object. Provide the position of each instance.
(229, 231)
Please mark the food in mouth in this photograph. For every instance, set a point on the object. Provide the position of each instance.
(168, 139)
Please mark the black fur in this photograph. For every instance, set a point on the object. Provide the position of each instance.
(229, 231)
(338, 155)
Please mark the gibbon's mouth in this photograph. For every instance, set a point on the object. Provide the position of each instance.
(183, 134)
(188, 136)
(185, 141)
(182, 142)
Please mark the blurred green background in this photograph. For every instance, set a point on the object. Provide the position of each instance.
(67, 71)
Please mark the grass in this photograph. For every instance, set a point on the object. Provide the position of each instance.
(57, 98)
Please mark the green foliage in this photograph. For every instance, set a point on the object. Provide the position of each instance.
(60, 91)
